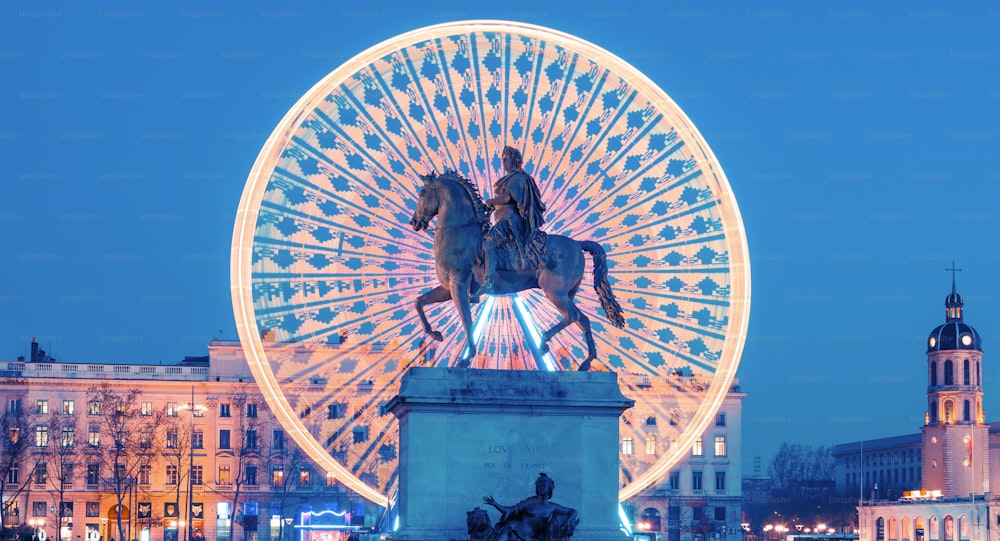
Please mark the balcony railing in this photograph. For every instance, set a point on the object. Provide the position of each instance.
(106, 371)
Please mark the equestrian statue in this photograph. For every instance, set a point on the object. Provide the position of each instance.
(473, 257)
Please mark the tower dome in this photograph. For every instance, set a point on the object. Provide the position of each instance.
(955, 333)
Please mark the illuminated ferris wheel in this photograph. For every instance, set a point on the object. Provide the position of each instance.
(325, 267)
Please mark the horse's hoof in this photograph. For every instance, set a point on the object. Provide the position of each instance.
(436, 335)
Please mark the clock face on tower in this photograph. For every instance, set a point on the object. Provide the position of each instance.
(966, 339)
(932, 342)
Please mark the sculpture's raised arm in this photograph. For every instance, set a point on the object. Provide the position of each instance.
(488, 500)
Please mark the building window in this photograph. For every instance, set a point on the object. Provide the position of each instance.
(94, 435)
(94, 407)
(626, 446)
(965, 372)
(198, 439)
(13, 477)
(93, 509)
(278, 476)
(67, 473)
(650, 445)
(41, 473)
(14, 435)
(966, 411)
(651, 421)
(68, 436)
(223, 439)
(949, 373)
(198, 474)
(720, 514)
(14, 406)
(934, 374)
(331, 479)
(675, 480)
(146, 437)
(720, 446)
(224, 410)
(252, 411)
(696, 480)
(41, 436)
(251, 475)
(172, 474)
(278, 440)
(38, 509)
(145, 471)
(698, 449)
(251, 439)
(720, 480)
(93, 474)
(69, 407)
(305, 476)
(171, 409)
(172, 439)
(146, 409)
(42, 407)
(225, 475)
(720, 419)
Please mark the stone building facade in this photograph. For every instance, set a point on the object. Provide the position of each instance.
(220, 453)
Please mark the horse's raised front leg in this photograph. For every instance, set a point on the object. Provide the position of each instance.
(460, 295)
(434, 296)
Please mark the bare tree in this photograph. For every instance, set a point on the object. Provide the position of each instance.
(16, 442)
(246, 441)
(290, 470)
(59, 461)
(177, 454)
(133, 440)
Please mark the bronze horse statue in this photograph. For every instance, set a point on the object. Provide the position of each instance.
(462, 220)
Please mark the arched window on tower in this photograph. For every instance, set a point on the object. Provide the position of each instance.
(966, 411)
(949, 373)
(978, 381)
(934, 411)
(933, 373)
(965, 372)
(949, 407)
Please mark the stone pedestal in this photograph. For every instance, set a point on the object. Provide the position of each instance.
(467, 433)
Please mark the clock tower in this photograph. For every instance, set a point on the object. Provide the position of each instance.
(955, 437)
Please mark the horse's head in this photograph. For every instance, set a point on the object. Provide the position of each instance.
(427, 203)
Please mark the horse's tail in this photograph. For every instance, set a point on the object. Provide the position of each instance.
(601, 284)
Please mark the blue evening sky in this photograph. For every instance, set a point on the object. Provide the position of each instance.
(860, 142)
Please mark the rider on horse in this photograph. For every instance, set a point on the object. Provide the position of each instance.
(515, 241)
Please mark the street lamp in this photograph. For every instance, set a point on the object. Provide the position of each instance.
(37, 526)
(289, 521)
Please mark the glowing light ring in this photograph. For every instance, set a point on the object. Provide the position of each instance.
(324, 267)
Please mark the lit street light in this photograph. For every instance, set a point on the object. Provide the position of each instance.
(37, 527)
